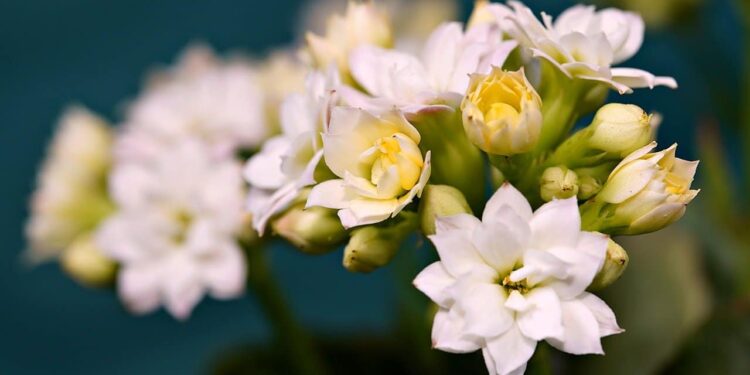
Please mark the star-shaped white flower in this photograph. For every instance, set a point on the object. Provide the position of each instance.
(287, 162)
(175, 233)
(439, 76)
(514, 278)
(584, 43)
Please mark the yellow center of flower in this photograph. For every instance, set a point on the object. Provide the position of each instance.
(183, 219)
(401, 152)
(520, 286)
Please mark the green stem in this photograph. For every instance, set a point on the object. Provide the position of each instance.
(303, 358)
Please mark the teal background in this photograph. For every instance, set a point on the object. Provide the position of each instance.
(54, 53)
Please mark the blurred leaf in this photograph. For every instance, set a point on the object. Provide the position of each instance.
(714, 173)
(661, 300)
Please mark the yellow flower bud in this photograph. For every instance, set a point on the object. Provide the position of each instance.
(502, 112)
(362, 24)
(437, 201)
(614, 265)
(558, 183)
(85, 263)
(620, 129)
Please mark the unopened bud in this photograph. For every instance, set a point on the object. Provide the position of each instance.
(85, 263)
(620, 129)
(614, 265)
(558, 183)
(588, 187)
(315, 230)
(374, 246)
(437, 201)
(502, 113)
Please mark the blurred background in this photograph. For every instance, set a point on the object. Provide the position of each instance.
(683, 301)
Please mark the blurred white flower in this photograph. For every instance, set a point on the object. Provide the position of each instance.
(515, 278)
(380, 166)
(281, 74)
(438, 78)
(71, 197)
(219, 102)
(363, 23)
(176, 228)
(287, 162)
(584, 43)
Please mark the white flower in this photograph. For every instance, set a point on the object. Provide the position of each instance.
(287, 162)
(218, 102)
(71, 197)
(379, 162)
(363, 23)
(584, 43)
(439, 77)
(515, 278)
(176, 228)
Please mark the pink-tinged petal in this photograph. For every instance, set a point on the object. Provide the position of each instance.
(434, 282)
(543, 318)
(507, 195)
(581, 330)
(510, 351)
(380, 71)
(556, 223)
(603, 314)
(224, 273)
(139, 287)
(182, 287)
(448, 334)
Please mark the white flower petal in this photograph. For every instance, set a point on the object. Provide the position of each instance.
(543, 318)
(603, 314)
(331, 194)
(581, 330)
(556, 223)
(460, 222)
(225, 272)
(502, 238)
(434, 281)
(510, 351)
(139, 287)
(456, 251)
(448, 335)
(483, 307)
(507, 195)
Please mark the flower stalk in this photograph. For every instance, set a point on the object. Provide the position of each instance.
(290, 334)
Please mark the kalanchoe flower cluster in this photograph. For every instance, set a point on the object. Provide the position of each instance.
(379, 143)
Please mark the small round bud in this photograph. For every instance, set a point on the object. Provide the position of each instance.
(315, 230)
(373, 246)
(85, 263)
(558, 183)
(614, 265)
(620, 129)
(588, 186)
(437, 201)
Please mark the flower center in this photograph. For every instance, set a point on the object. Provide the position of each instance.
(520, 286)
(183, 219)
(401, 152)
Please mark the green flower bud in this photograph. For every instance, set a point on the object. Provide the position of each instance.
(315, 230)
(84, 262)
(373, 246)
(588, 187)
(614, 265)
(558, 183)
(437, 201)
(620, 129)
